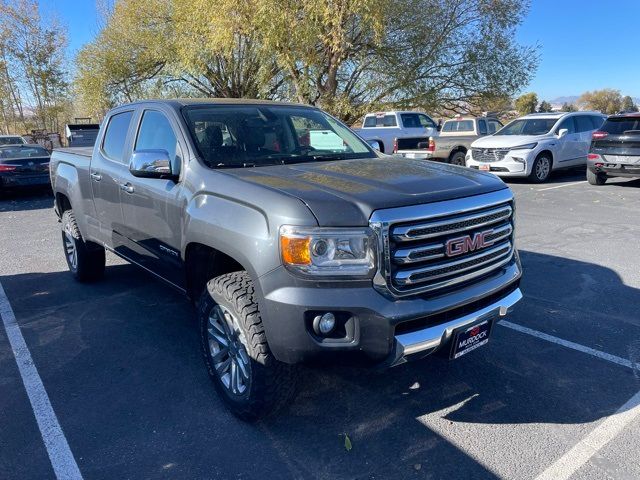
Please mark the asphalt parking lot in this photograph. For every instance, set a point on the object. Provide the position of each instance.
(555, 394)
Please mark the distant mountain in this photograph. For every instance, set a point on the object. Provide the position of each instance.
(574, 99)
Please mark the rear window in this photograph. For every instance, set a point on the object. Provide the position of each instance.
(620, 125)
(31, 151)
(116, 136)
(11, 141)
(458, 126)
(380, 121)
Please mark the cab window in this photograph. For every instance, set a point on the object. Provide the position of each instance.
(116, 136)
(482, 127)
(155, 133)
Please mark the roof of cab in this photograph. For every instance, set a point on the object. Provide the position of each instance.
(182, 102)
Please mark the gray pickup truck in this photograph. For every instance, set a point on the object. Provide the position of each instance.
(454, 140)
(296, 240)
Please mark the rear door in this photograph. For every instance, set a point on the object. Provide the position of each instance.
(569, 147)
(109, 165)
(585, 128)
(152, 208)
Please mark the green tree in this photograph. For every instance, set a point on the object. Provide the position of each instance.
(346, 56)
(527, 103)
(544, 107)
(628, 105)
(607, 101)
(568, 107)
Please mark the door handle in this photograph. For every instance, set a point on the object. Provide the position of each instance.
(127, 187)
(96, 177)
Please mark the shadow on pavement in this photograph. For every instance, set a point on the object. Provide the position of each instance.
(559, 176)
(121, 363)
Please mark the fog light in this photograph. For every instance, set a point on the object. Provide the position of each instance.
(324, 324)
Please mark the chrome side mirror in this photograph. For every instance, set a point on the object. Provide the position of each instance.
(375, 144)
(151, 164)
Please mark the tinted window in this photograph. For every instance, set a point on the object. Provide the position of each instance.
(26, 151)
(116, 135)
(583, 123)
(620, 125)
(370, 122)
(426, 122)
(389, 121)
(11, 141)
(447, 127)
(482, 127)
(458, 126)
(597, 121)
(494, 126)
(156, 134)
(380, 120)
(569, 124)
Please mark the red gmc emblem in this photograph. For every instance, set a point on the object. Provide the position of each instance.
(474, 331)
(458, 246)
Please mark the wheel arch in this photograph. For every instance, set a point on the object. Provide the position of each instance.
(202, 263)
(547, 152)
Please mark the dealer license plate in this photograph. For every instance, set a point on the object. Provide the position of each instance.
(468, 339)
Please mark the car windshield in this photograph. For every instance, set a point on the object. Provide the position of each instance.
(256, 135)
(22, 151)
(11, 140)
(529, 126)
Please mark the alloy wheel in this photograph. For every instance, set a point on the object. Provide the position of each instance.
(543, 167)
(70, 249)
(227, 347)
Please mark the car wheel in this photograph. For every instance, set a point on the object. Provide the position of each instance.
(248, 378)
(86, 260)
(596, 178)
(541, 169)
(458, 158)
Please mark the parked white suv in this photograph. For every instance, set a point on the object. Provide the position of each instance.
(534, 145)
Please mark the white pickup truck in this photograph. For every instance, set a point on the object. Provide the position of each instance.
(387, 128)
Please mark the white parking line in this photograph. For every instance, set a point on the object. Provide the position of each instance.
(575, 346)
(560, 186)
(586, 448)
(62, 460)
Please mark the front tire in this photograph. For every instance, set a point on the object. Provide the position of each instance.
(246, 375)
(596, 178)
(541, 169)
(86, 260)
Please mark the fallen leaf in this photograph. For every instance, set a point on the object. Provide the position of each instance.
(347, 443)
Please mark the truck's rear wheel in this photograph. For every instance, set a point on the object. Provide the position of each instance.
(596, 178)
(458, 158)
(86, 260)
(249, 380)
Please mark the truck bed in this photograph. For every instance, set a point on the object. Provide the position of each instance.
(82, 151)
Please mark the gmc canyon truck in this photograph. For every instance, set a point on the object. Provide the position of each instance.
(454, 140)
(297, 241)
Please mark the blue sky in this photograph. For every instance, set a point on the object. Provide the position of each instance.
(574, 37)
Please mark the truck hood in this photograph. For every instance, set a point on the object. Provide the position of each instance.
(507, 141)
(346, 192)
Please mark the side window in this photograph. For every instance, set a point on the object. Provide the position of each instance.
(482, 127)
(156, 134)
(494, 127)
(568, 124)
(116, 136)
(583, 123)
(447, 127)
(389, 121)
(426, 122)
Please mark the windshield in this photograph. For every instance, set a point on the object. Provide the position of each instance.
(22, 151)
(256, 135)
(530, 126)
(11, 140)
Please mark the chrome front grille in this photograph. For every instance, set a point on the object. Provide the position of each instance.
(488, 155)
(434, 246)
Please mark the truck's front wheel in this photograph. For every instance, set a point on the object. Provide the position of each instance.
(250, 381)
(86, 260)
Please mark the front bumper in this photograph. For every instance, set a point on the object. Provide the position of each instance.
(385, 331)
(509, 166)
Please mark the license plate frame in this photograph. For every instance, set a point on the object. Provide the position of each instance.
(464, 334)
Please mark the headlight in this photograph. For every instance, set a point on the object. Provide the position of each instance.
(328, 252)
(528, 146)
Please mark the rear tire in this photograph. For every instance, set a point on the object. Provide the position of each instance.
(541, 169)
(248, 378)
(86, 260)
(596, 178)
(458, 158)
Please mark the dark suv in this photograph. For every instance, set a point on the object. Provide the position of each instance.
(615, 149)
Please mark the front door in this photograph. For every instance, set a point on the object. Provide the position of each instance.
(569, 146)
(152, 207)
(107, 169)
